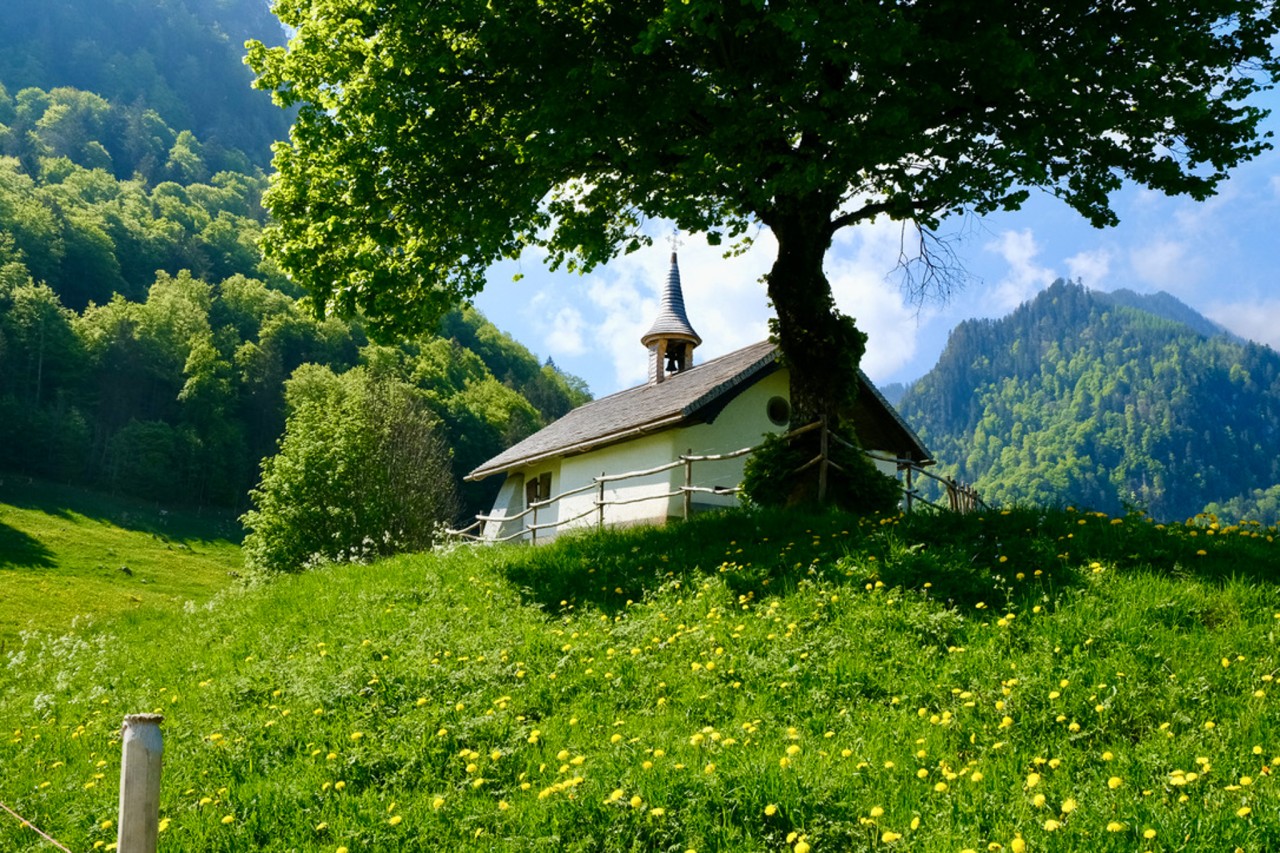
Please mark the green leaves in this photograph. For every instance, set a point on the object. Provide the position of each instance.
(362, 472)
(433, 141)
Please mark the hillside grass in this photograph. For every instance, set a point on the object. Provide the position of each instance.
(67, 554)
(1032, 680)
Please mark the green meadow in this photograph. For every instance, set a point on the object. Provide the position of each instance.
(69, 555)
(1022, 681)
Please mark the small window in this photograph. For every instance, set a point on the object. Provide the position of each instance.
(778, 410)
(537, 489)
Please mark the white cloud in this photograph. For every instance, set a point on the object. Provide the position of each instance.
(858, 267)
(1257, 320)
(1166, 264)
(724, 300)
(564, 338)
(1024, 279)
(1090, 267)
(623, 310)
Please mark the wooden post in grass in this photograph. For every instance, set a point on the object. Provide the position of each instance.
(910, 489)
(600, 502)
(824, 461)
(688, 485)
(141, 748)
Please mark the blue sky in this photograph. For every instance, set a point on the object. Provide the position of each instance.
(1221, 257)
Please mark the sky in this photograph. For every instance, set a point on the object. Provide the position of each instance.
(1220, 257)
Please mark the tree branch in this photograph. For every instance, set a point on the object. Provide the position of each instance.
(928, 265)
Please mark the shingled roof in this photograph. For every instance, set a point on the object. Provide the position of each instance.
(692, 396)
(672, 320)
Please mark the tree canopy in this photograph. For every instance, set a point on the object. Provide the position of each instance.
(434, 139)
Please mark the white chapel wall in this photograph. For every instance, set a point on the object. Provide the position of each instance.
(743, 423)
(638, 454)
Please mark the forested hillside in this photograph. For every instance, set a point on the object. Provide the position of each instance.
(1106, 401)
(179, 59)
(144, 342)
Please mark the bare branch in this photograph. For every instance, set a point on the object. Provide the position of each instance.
(928, 266)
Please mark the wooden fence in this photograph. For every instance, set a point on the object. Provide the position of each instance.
(960, 497)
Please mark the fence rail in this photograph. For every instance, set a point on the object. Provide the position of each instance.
(960, 497)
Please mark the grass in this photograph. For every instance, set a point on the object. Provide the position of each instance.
(67, 554)
(1034, 680)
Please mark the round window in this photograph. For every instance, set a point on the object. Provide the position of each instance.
(778, 410)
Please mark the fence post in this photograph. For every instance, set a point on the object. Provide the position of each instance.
(910, 487)
(141, 749)
(688, 485)
(600, 501)
(822, 463)
(533, 529)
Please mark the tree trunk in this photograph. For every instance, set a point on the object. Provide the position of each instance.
(820, 346)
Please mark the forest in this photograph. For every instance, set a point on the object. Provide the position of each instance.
(145, 344)
(1107, 401)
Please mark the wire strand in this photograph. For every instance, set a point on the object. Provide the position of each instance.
(29, 825)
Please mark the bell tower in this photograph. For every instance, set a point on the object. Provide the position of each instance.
(671, 339)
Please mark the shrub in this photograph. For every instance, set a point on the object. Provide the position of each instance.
(773, 477)
(362, 472)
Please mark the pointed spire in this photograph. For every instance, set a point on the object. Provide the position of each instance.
(671, 336)
(672, 320)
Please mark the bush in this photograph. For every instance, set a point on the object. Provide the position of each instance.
(362, 472)
(773, 477)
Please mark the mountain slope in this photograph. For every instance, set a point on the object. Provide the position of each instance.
(182, 58)
(1081, 397)
(144, 341)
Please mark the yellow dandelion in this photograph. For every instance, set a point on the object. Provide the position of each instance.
(1051, 825)
(890, 837)
(1017, 845)
(1114, 782)
(876, 811)
(394, 820)
(1244, 811)
(770, 810)
(1068, 806)
(229, 818)
(1115, 826)
(1148, 833)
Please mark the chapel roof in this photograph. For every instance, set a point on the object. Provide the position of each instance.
(694, 395)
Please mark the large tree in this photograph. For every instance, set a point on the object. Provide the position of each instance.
(433, 139)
